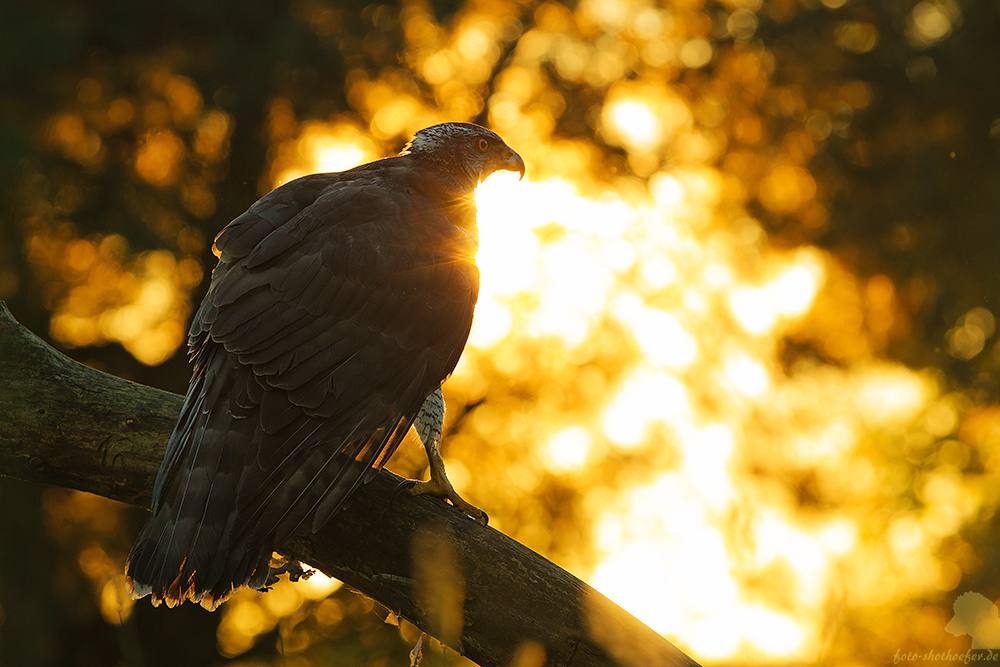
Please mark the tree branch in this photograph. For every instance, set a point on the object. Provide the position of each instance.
(478, 591)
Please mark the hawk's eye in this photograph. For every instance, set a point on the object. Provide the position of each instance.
(483, 145)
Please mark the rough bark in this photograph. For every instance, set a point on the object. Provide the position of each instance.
(478, 591)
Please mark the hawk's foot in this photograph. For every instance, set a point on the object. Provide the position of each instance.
(442, 488)
(428, 424)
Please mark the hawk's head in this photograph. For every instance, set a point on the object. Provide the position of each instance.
(468, 151)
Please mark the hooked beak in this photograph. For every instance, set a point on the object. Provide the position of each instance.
(514, 163)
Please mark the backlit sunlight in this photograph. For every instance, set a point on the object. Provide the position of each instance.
(669, 388)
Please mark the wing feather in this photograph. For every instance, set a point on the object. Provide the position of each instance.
(337, 306)
(325, 326)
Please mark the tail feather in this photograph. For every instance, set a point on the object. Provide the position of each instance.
(174, 563)
(185, 551)
(230, 490)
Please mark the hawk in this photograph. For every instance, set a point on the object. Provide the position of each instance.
(339, 304)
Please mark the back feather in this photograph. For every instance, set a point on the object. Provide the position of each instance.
(339, 303)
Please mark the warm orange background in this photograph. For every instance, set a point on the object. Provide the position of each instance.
(729, 364)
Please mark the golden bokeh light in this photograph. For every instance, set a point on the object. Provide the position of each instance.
(696, 53)
(635, 123)
(158, 160)
(98, 288)
(322, 147)
(102, 293)
(69, 132)
(555, 264)
(702, 423)
(857, 36)
(568, 450)
(932, 22)
(249, 614)
(698, 546)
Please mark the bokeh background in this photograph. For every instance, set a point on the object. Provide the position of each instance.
(734, 361)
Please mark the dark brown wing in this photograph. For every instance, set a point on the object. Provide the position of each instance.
(327, 323)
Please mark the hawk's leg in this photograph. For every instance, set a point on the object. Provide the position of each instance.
(428, 423)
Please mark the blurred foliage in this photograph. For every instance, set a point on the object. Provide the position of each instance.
(734, 360)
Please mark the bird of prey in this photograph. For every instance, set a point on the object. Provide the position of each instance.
(339, 304)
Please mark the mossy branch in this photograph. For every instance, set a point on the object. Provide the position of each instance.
(488, 597)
